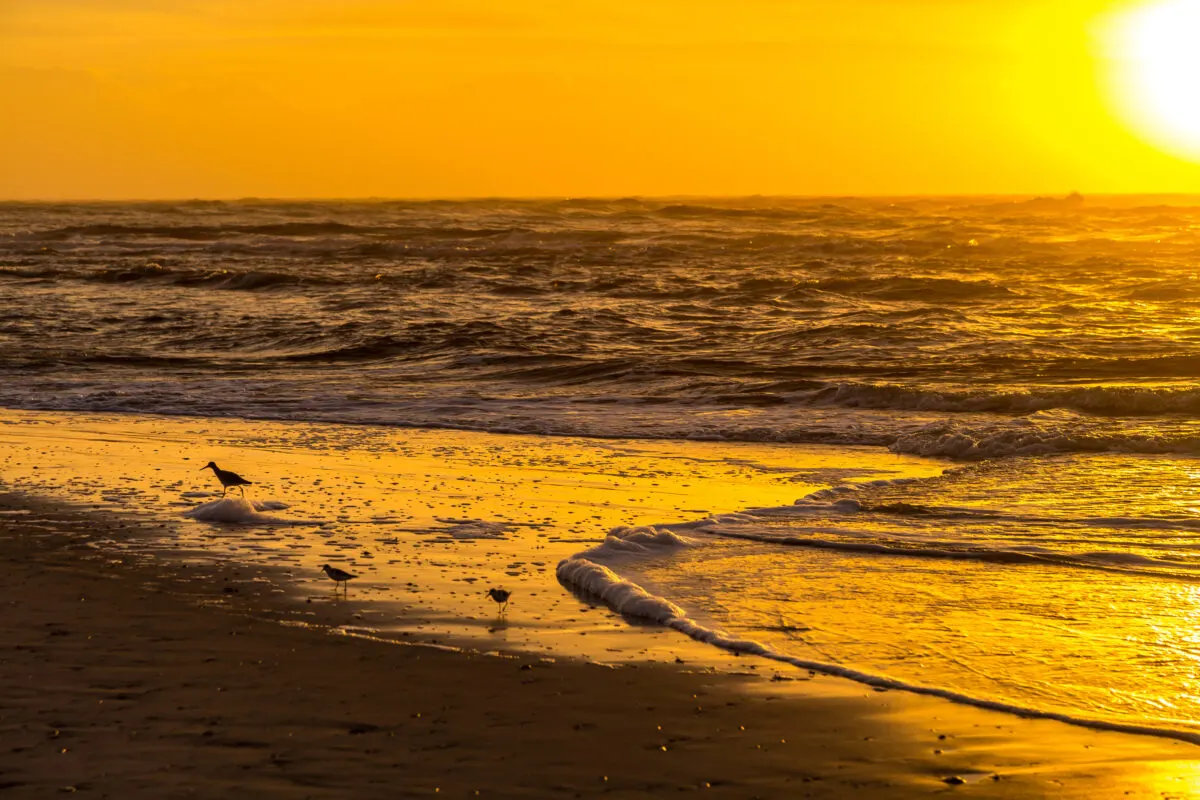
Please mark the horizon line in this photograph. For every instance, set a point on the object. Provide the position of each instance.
(613, 197)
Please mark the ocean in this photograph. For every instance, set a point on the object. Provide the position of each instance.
(1047, 350)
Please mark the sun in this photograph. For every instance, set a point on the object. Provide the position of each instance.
(1153, 55)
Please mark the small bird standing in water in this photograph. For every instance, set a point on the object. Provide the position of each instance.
(501, 597)
(228, 478)
(338, 576)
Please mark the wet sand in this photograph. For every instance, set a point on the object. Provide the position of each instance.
(136, 670)
(428, 519)
(117, 685)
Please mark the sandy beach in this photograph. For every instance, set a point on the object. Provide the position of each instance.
(428, 519)
(140, 670)
(119, 687)
(773, 399)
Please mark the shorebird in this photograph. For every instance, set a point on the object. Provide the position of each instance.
(500, 596)
(337, 575)
(227, 478)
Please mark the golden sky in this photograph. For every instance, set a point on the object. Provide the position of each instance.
(424, 98)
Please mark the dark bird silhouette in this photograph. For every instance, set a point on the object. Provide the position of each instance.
(338, 575)
(228, 478)
(500, 596)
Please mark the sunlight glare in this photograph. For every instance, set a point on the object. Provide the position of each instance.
(1155, 72)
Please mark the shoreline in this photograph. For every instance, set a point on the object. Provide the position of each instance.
(150, 578)
(123, 687)
(427, 519)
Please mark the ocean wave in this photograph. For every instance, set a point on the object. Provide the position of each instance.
(1121, 562)
(1106, 400)
(272, 379)
(839, 494)
(638, 539)
(1040, 436)
(932, 326)
(201, 233)
(909, 288)
(236, 280)
(397, 232)
(693, 211)
(48, 359)
(630, 599)
(376, 348)
(853, 499)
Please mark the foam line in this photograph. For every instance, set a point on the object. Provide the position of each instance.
(1099, 560)
(626, 597)
(840, 500)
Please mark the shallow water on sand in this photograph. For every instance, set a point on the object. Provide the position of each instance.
(1067, 586)
(428, 520)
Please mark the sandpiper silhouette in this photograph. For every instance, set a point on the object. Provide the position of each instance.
(228, 478)
(500, 596)
(338, 576)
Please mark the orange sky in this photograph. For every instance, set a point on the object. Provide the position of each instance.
(423, 98)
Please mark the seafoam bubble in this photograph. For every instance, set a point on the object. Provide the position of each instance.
(638, 539)
(239, 510)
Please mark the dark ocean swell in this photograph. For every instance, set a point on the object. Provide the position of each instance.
(965, 328)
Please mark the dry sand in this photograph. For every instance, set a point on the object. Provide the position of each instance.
(134, 671)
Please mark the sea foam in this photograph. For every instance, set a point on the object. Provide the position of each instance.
(629, 599)
(239, 510)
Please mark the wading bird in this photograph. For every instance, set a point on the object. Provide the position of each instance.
(500, 596)
(338, 575)
(228, 478)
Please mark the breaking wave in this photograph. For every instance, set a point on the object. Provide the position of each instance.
(939, 327)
